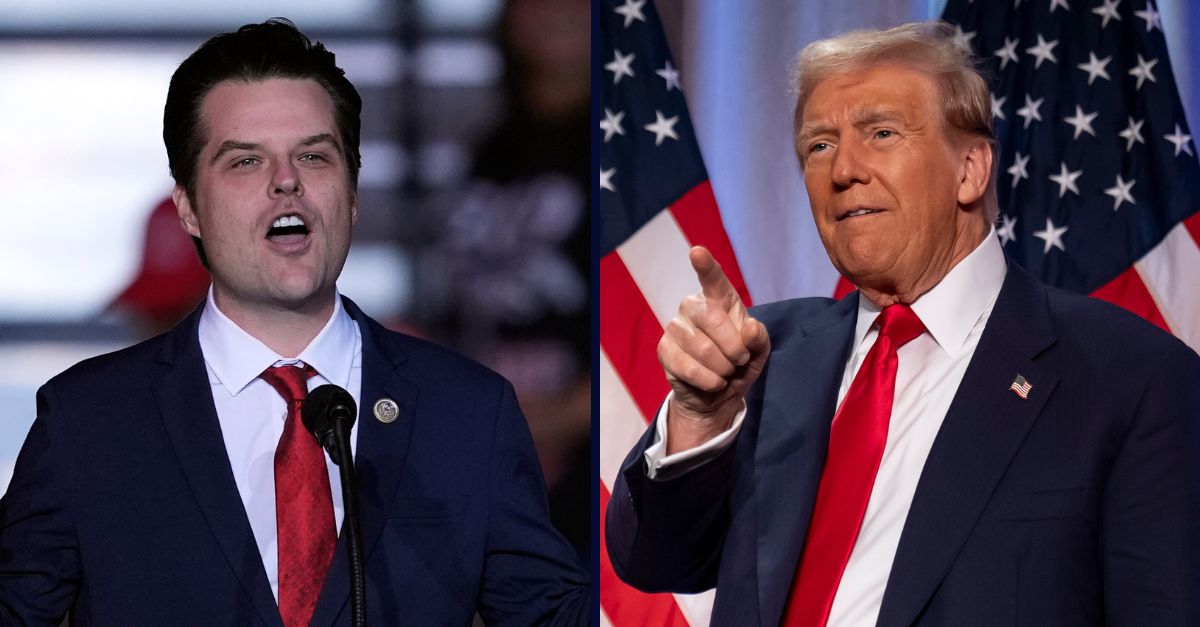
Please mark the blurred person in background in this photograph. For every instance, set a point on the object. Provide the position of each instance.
(172, 480)
(515, 252)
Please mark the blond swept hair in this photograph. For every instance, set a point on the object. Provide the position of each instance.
(929, 47)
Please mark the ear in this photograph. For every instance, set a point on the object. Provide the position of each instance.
(975, 172)
(187, 214)
(353, 208)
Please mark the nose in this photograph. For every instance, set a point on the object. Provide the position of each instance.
(848, 165)
(285, 180)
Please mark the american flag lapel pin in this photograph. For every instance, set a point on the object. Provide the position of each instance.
(1021, 387)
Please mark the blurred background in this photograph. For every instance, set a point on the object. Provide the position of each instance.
(473, 217)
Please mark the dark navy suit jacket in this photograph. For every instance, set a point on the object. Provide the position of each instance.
(1077, 506)
(123, 508)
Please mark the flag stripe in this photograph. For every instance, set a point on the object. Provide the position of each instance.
(1128, 291)
(843, 287)
(655, 205)
(629, 334)
(1192, 224)
(624, 605)
(621, 424)
(1171, 271)
(700, 219)
(697, 608)
(656, 256)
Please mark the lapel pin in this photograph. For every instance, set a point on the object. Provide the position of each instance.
(386, 410)
(1019, 385)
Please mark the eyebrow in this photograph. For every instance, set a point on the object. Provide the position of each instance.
(861, 117)
(321, 138)
(311, 140)
(230, 145)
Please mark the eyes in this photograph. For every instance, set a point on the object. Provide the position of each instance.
(308, 158)
(881, 136)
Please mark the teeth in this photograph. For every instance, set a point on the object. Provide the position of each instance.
(289, 220)
(859, 212)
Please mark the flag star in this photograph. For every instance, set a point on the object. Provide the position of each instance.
(1052, 236)
(669, 74)
(1133, 134)
(963, 39)
(611, 124)
(998, 106)
(1017, 169)
(1007, 52)
(1142, 71)
(606, 177)
(1153, 20)
(1054, 4)
(1109, 11)
(1082, 122)
(1066, 180)
(1030, 110)
(632, 10)
(620, 65)
(1007, 230)
(1044, 50)
(663, 127)
(1120, 192)
(1180, 140)
(1096, 67)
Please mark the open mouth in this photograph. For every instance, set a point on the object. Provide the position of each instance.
(289, 229)
(854, 213)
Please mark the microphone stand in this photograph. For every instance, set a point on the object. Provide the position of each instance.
(358, 588)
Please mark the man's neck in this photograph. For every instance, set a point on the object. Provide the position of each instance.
(970, 235)
(285, 330)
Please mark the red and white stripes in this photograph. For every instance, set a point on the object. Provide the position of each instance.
(641, 284)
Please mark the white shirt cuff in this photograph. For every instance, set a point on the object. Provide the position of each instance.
(656, 456)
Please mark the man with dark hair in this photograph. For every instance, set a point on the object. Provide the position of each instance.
(172, 481)
(953, 443)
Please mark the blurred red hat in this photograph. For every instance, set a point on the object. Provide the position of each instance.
(171, 281)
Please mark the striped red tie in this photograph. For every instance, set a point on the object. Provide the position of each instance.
(303, 503)
(856, 442)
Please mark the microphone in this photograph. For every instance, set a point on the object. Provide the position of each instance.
(328, 413)
(325, 407)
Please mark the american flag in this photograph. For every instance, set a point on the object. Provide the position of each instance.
(1021, 386)
(655, 203)
(1098, 179)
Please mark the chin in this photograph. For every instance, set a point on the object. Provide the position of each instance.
(302, 292)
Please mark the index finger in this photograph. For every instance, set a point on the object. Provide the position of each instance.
(713, 282)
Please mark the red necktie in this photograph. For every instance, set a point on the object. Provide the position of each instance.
(856, 442)
(303, 503)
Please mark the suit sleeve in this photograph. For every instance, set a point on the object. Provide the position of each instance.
(39, 553)
(1150, 530)
(531, 575)
(666, 535)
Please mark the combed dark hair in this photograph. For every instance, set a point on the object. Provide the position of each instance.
(255, 52)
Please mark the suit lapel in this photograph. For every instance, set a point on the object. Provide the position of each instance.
(185, 403)
(798, 401)
(379, 457)
(983, 429)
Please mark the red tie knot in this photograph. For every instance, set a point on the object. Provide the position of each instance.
(290, 381)
(900, 324)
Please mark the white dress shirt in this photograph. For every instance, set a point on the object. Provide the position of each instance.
(252, 413)
(930, 369)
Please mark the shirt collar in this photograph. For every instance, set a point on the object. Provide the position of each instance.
(236, 358)
(953, 307)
